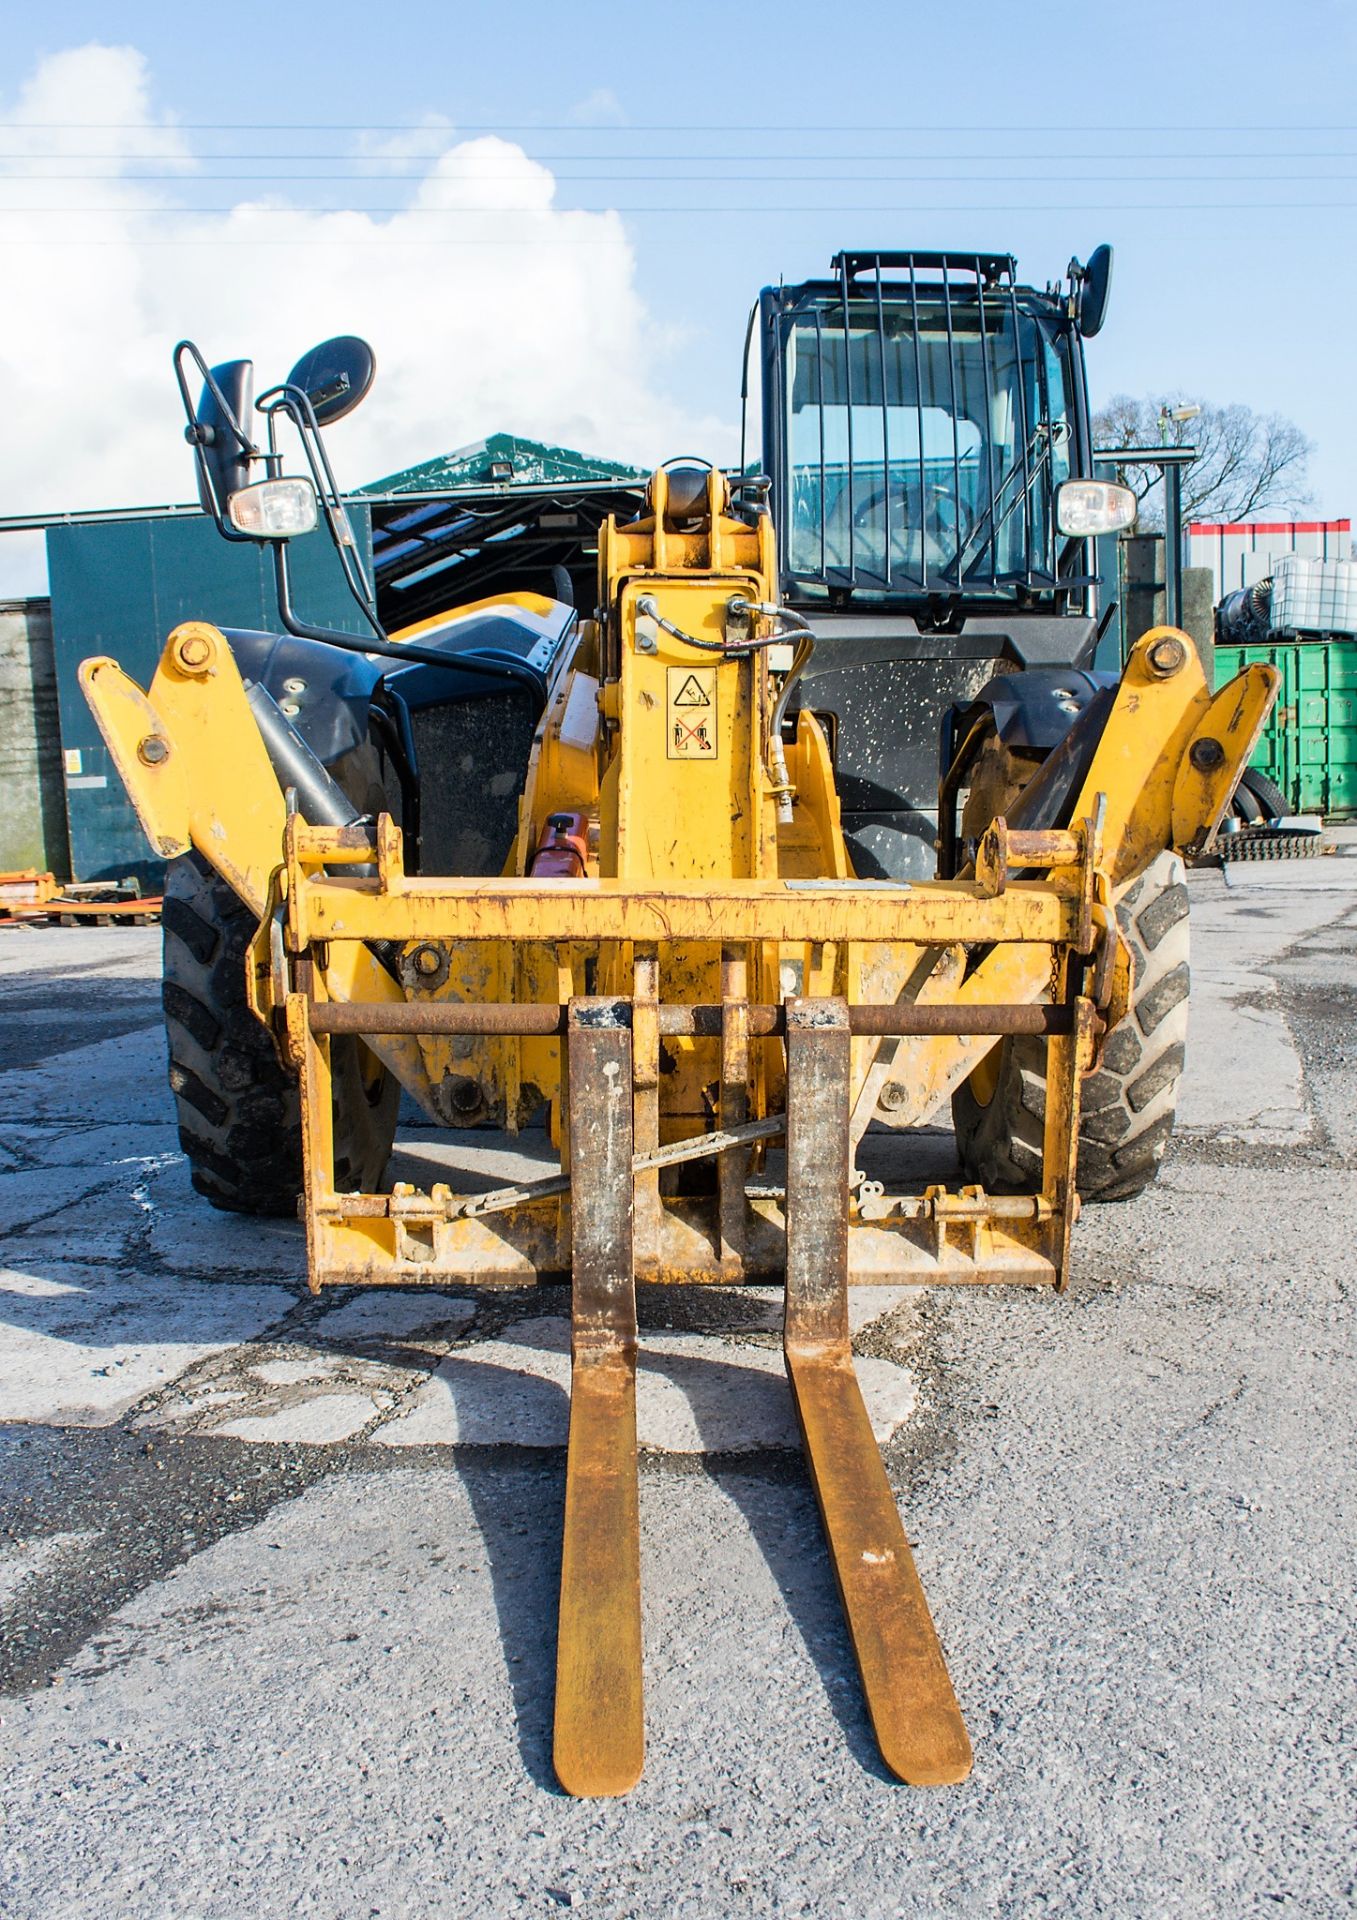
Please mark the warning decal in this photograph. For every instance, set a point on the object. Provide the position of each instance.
(692, 693)
(691, 713)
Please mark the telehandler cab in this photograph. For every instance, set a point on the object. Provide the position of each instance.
(701, 919)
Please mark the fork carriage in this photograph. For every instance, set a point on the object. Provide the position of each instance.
(1039, 933)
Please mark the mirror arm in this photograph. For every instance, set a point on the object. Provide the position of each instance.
(297, 406)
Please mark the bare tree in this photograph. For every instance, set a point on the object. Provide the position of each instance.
(1245, 460)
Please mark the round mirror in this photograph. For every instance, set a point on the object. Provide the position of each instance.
(1094, 287)
(335, 376)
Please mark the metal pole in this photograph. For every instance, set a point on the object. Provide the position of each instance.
(1173, 544)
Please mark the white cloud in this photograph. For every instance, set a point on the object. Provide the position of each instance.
(398, 152)
(601, 108)
(490, 307)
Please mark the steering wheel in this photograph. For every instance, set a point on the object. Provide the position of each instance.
(945, 517)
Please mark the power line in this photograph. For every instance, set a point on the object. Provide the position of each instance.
(690, 179)
(1250, 207)
(370, 246)
(597, 129)
(190, 212)
(1149, 158)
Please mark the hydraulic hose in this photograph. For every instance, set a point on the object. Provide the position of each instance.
(488, 663)
(805, 646)
(777, 755)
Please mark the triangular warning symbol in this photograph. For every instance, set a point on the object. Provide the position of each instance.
(692, 693)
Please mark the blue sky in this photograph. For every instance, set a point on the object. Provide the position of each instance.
(1215, 147)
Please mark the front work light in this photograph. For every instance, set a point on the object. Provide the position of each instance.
(273, 509)
(1082, 507)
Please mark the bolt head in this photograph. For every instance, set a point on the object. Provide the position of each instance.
(1207, 755)
(428, 960)
(154, 750)
(194, 651)
(1167, 657)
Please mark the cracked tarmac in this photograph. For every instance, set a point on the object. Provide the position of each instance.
(277, 1574)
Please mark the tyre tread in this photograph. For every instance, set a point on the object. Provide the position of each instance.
(239, 1109)
(1127, 1108)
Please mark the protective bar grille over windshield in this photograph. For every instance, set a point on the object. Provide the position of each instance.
(926, 425)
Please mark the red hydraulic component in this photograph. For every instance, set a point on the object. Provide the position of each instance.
(562, 848)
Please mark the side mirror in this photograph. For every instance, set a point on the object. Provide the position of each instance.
(335, 376)
(1093, 285)
(219, 434)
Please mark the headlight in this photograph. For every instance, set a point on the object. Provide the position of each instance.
(273, 509)
(1085, 507)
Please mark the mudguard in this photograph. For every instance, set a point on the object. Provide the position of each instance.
(327, 692)
(1055, 713)
(324, 692)
(1036, 708)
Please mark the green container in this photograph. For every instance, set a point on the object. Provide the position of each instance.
(1309, 745)
(118, 587)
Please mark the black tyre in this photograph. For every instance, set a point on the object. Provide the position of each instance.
(239, 1109)
(1245, 805)
(1128, 1104)
(1269, 801)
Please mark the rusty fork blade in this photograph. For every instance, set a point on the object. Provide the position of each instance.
(913, 1709)
(600, 1725)
(909, 1695)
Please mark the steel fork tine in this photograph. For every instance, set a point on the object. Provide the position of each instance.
(913, 1709)
(600, 1725)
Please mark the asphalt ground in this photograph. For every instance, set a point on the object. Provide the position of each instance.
(277, 1575)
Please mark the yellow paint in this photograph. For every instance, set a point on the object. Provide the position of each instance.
(1232, 723)
(1146, 743)
(692, 882)
(214, 788)
(552, 615)
(335, 908)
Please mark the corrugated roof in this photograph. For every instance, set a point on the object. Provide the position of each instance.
(502, 459)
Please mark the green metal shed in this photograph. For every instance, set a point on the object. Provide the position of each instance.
(118, 587)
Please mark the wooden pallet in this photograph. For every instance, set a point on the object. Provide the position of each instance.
(32, 898)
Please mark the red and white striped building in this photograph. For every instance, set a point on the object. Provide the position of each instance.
(1242, 552)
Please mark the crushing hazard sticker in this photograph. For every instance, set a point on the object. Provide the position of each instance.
(691, 713)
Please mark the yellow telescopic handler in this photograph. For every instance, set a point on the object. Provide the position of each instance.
(683, 956)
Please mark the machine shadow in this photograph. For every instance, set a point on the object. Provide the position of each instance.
(770, 1489)
(519, 1500)
(519, 1505)
(518, 1497)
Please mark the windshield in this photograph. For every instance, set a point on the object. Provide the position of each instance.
(924, 441)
